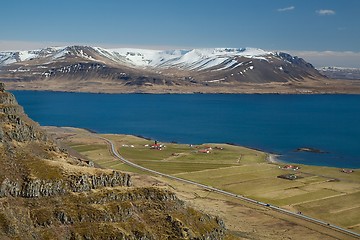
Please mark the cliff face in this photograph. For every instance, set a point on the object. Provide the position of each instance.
(47, 194)
(15, 125)
(134, 213)
(31, 188)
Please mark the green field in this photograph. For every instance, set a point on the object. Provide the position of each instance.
(321, 192)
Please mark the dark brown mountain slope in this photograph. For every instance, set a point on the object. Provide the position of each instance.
(225, 70)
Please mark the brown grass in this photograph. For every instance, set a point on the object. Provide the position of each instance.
(259, 181)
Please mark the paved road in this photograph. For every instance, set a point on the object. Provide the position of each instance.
(304, 217)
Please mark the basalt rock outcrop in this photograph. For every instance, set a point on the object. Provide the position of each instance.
(15, 125)
(31, 188)
(134, 213)
(47, 194)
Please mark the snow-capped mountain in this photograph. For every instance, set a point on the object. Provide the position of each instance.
(340, 73)
(51, 54)
(195, 59)
(139, 67)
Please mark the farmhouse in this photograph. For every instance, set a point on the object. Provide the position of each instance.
(347, 170)
(157, 146)
(291, 167)
(204, 151)
(207, 149)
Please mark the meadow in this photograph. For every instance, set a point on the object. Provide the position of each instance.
(322, 192)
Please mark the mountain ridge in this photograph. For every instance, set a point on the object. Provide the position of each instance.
(134, 56)
(192, 59)
(222, 70)
(340, 72)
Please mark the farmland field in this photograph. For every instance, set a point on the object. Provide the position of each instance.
(321, 192)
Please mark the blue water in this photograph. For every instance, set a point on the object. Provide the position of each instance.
(275, 123)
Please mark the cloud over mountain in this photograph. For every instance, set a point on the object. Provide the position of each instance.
(325, 12)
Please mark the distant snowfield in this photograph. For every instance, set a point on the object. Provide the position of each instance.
(195, 59)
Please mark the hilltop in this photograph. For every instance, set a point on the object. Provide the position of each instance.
(46, 193)
(122, 70)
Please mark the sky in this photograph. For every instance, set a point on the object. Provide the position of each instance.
(324, 32)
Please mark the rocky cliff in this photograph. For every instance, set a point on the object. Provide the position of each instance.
(15, 125)
(47, 194)
(31, 188)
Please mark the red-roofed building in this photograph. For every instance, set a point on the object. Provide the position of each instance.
(156, 146)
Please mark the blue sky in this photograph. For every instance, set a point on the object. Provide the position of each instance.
(298, 26)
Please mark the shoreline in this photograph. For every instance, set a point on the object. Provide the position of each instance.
(189, 92)
(98, 86)
(271, 158)
(265, 184)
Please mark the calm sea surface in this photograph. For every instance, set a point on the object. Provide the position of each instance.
(274, 123)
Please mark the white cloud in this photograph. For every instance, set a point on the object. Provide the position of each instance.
(8, 45)
(325, 12)
(286, 9)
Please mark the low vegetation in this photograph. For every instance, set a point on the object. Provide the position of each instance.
(321, 192)
(49, 193)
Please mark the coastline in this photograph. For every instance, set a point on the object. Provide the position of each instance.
(264, 174)
(273, 158)
(182, 92)
(306, 87)
(171, 133)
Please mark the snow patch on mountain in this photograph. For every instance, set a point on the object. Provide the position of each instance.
(27, 55)
(195, 59)
(145, 57)
(7, 58)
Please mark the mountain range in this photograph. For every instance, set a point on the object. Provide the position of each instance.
(341, 73)
(95, 69)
